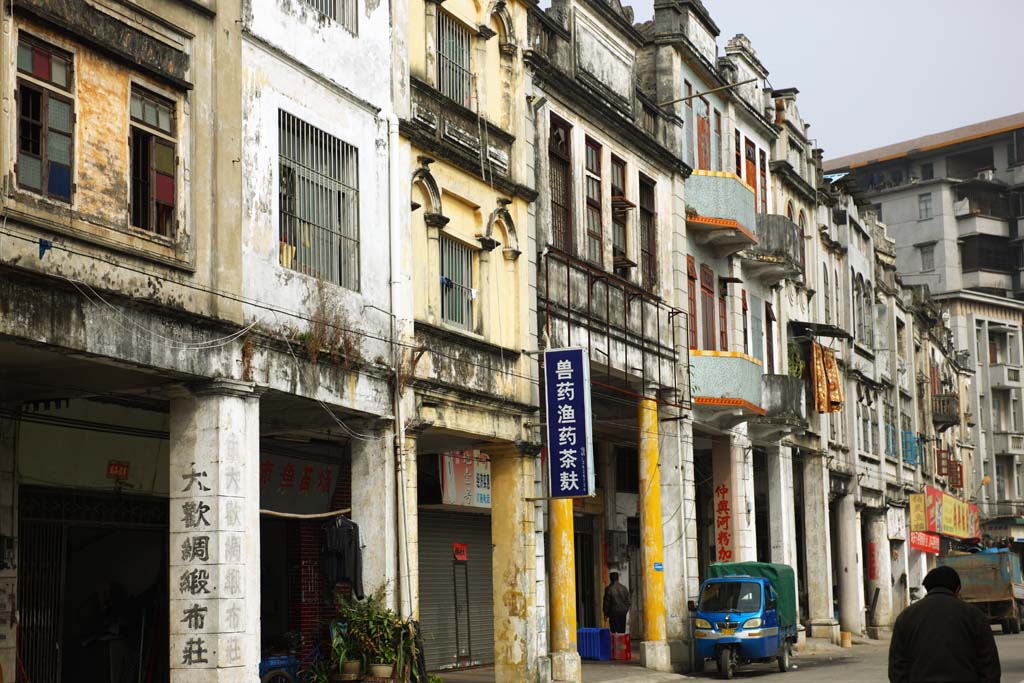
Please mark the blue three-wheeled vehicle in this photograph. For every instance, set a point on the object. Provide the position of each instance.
(746, 613)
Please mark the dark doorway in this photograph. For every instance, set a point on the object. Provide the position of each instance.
(585, 576)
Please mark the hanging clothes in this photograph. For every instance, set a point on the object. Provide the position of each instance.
(342, 555)
(818, 379)
(835, 385)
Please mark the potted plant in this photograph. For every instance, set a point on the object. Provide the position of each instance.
(343, 653)
(373, 629)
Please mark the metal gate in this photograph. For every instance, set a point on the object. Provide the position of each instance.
(41, 599)
(456, 597)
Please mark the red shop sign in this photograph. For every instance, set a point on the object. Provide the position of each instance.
(925, 542)
(460, 551)
(117, 469)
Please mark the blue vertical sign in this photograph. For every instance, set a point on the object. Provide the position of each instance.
(570, 444)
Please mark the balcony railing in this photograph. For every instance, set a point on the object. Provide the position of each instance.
(784, 400)
(720, 211)
(778, 254)
(1008, 443)
(945, 411)
(1004, 376)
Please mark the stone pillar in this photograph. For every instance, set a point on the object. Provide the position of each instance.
(781, 505)
(435, 222)
(516, 635)
(8, 558)
(879, 573)
(674, 522)
(733, 478)
(374, 509)
(409, 521)
(818, 550)
(565, 660)
(850, 605)
(214, 533)
(689, 511)
(654, 653)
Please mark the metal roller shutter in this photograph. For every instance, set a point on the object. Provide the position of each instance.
(456, 608)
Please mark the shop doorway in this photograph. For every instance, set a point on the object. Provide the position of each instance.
(93, 587)
(585, 551)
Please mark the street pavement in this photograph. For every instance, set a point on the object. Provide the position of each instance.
(865, 662)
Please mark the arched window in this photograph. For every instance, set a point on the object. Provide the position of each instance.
(789, 210)
(802, 222)
(868, 308)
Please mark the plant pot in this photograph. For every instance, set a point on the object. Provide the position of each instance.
(381, 670)
(352, 666)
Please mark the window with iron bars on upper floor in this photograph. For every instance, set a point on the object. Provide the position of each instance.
(319, 203)
(345, 12)
(458, 294)
(454, 50)
(648, 235)
(560, 173)
(592, 190)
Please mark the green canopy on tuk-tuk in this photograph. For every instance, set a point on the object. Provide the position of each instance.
(781, 576)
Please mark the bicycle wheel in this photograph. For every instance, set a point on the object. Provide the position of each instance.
(277, 676)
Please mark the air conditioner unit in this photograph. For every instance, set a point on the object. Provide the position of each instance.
(988, 175)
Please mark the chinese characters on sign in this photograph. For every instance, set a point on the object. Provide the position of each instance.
(570, 449)
(723, 521)
(925, 542)
(466, 479)
(937, 512)
(294, 485)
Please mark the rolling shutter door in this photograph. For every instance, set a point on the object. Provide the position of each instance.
(444, 616)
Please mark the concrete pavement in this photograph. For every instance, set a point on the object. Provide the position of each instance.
(866, 662)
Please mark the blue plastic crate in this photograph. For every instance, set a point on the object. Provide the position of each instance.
(594, 643)
(285, 662)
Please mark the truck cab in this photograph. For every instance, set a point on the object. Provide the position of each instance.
(738, 619)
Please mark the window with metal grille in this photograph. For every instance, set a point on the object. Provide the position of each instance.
(723, 317)
(560, 170)
(738, 153)
(746, 330)
(45, 119)
(454, 47)
(716, 144)
(892, 449)
(154, 163)
(345, 12)
(763, 185)
(457, 292)
(707, 306)
(769, 338)
(924, 206)
(319, 203)
(648, 234)
(595, 233)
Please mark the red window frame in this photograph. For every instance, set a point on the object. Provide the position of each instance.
(691, 295)
(707, 306)
(154, 183)
(703, 118)
(763, 176)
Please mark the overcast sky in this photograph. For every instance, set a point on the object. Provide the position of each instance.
(874, 72)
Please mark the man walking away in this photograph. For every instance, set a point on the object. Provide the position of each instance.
(616, 604)
(942, 638)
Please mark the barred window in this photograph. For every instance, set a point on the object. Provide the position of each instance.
(345, 12)
(454, 44)
(46, 119)
(319, 203)
(560, 161)
(457, 292)
(592, 179)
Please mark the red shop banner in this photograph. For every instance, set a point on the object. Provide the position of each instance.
(925, 542)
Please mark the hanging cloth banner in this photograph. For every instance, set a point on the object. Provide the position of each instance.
(818, 380)
(835, 385)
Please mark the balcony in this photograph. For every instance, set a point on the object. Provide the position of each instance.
(784, 399)
(777, 255)
(726, 387)
(720, 212)
(1008, 443)
(945, 411)
(1003, 376)
(976, 224)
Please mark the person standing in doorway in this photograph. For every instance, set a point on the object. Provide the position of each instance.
(616, 604)
(942, 638)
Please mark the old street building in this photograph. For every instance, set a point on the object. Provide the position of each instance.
(952, 203)
(193, 327)
(268, 269)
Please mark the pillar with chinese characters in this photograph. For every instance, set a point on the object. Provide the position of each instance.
(214, 533)
(654, 650)
(733, 478)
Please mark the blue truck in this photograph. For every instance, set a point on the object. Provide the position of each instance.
(991, 581)
(746, 613)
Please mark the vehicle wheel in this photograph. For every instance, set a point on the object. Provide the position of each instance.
(726, 664)
(784, 658)
(277, 676)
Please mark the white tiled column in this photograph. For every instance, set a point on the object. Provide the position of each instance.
(733, 478)
(214, 534)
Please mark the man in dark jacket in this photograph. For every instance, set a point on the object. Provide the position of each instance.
(616, 604)
(942, 638)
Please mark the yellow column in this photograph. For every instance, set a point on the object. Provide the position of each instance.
(563, 577)
(650, 520)
(514, 562)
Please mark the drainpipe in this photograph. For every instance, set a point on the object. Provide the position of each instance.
(394, 267)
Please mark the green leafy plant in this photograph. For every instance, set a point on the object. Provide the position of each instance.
(434, 678)
(373, 628)
(341, 645)
(318, 672)
(797, 365)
